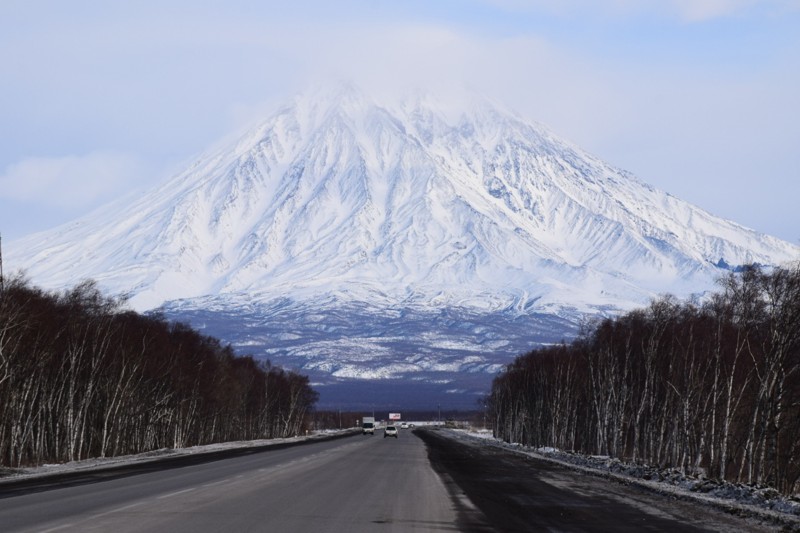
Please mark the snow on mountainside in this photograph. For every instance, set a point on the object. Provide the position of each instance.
(336, 193)
(339, 200)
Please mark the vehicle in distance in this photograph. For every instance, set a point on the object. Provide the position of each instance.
(368, 427)
(403, 426)
(390, 431)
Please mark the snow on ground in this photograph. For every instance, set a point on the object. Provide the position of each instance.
(736, 498)
(15, 474)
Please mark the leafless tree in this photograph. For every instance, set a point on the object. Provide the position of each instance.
(710, 389)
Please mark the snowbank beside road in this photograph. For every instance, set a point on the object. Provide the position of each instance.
(10, 475)
(739, 499)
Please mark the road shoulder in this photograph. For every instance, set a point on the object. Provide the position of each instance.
(517, 491)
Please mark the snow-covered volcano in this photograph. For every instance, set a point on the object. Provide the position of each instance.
(338, 201)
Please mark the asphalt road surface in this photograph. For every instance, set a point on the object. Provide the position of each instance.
(353, 484)
(513, 493)
(360, 483)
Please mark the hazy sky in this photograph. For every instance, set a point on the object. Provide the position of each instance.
(700, 98)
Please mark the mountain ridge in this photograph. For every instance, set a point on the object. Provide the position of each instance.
(392, 183)
(407, 205)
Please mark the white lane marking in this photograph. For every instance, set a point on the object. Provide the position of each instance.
(215, 483)
(117, 510)
(57, 528)
(171, 494)
(92, 517)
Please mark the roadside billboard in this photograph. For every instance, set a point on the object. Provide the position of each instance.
(394, 416)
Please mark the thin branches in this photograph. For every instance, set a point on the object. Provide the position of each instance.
(81, 377)
(711, 389)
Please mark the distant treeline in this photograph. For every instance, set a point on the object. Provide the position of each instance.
(82, 377)
(711, 388)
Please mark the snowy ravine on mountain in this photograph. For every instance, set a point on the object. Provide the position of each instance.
(362, 242)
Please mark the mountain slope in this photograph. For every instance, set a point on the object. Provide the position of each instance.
(337, 191)
(342, 201)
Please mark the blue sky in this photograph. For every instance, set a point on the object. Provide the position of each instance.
(697, 97)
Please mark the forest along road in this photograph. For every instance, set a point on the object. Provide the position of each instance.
(354, 484)
(359, 483)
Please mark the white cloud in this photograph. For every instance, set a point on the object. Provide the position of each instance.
(164, 84)
(700, 10)
(686, 10)
(688, 127)
(71, 181)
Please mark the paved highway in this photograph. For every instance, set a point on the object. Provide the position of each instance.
(353, 484)
(360, 483)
